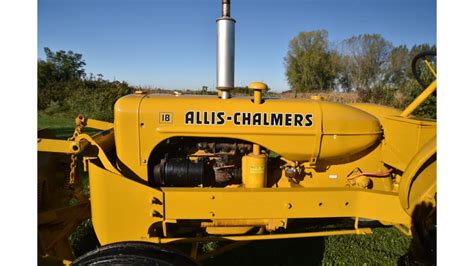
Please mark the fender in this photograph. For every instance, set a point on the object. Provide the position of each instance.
(423, 167)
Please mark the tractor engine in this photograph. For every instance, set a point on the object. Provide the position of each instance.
(189, 162)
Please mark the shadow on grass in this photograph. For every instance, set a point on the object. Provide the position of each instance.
(303, 251)
(295, 251)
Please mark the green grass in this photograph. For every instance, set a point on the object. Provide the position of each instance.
(55, 121)
(383, 247)
(61, 125)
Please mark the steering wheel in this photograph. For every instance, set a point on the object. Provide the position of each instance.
(414, 63)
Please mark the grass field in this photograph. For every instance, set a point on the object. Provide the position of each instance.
(383, 247)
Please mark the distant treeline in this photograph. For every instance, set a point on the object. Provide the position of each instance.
(64, 87)
(366, 65)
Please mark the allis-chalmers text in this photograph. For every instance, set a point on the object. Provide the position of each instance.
(249, 119)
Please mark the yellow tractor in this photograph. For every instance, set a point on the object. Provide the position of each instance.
(193, 169)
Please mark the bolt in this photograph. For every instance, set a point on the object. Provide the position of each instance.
(288, 205)
(212, 214)
(213, 197)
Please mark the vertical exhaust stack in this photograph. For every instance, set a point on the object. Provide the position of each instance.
(225, 51)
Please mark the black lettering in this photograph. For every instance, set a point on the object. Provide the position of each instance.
(206, 118)
(257, 118)
(309, 120)
(236, 119)
(265, 119)
(189, 117)
(277, 119)
(198, 118)
(299, 120)
(288, 120)
(220, 118)
(213, 118)
(246, 118)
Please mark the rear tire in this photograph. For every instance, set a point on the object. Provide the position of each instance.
(134, 253)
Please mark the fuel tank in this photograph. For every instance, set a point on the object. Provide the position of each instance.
(297, 129)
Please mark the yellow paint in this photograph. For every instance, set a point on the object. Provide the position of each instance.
(272, 203)
(317, 97)
(61, 146)
(340, 141)
(420, 99)
(336, 129)
(360, 231)
(254, 170)
(102, 125)
(122, 209)
(257, 88)
(414, 184)
(404, 137)
(430, 67)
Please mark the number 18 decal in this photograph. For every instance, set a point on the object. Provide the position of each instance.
(166, 118)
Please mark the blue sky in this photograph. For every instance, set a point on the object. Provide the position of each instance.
(171, 44)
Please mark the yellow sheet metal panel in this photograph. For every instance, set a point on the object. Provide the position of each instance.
(428, 178)
(337, 145)
(127, 142)
(346, 130)
(379, 111)
(266, 124)
(404, 137)
(274, 203)
(122, 209)
(344, 119)
(423, 187)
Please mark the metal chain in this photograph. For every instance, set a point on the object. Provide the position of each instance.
(80, 124)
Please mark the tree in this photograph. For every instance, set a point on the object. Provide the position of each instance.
(398, 69)
(56, 74)
(364, 58)
(310, 63)
(64, 87)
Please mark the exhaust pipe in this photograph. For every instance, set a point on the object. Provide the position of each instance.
(225, 51)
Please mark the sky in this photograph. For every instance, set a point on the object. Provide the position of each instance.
(171, 43)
